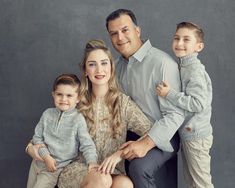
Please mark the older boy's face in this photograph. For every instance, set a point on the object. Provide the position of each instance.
(65, 97)
(185, 42)
(125, 35)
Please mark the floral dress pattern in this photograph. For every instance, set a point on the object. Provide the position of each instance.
(132, 118)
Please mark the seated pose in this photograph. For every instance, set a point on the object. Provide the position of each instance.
(59, 134)
(109, 114)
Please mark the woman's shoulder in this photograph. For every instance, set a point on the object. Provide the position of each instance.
(124, 98)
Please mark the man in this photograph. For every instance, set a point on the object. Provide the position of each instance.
(139, 69)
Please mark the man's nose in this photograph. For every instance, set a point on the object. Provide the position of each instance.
(120, 35)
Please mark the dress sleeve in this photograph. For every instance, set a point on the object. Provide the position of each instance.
(136, 120)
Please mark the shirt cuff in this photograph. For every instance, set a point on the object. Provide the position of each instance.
(43, 152)
(164, 145)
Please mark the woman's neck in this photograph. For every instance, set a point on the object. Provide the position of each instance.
(99, 91)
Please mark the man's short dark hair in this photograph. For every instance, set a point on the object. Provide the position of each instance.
(117, 13)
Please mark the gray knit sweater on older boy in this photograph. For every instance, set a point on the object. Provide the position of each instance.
(195, 98)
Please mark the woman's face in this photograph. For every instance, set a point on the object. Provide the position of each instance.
(98, 68)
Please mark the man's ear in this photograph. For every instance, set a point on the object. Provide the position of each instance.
(200, 46)
(138, 29)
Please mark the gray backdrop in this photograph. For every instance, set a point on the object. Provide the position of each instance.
(40, 39)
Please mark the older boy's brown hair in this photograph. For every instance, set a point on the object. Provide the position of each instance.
(199, 34)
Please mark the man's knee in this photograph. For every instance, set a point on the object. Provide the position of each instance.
(139, 169)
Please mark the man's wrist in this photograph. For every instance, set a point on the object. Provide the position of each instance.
(148, 142)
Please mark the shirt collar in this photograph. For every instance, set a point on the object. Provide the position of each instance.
(68, 112)
(142, 52)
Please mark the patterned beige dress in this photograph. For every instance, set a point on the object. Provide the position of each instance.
(132, 118)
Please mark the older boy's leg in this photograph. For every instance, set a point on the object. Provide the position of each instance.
(187, 176)
(32, 175)
(198, 161)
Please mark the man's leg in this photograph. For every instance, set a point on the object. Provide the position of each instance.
(142, 171)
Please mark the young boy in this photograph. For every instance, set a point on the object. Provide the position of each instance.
(60, 132)
(195, 99)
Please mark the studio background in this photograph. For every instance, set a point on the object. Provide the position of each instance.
(41, 39)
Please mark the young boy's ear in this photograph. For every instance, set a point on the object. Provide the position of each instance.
(53, 93)
(78, 100)
(200, 46)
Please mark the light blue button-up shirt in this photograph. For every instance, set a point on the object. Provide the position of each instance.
(139, 77)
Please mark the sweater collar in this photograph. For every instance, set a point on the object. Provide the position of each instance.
(188, 60)
(68, 112)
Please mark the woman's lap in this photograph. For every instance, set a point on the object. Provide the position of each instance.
(72, 175)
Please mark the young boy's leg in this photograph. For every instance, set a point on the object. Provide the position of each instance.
(198, 161)
(32, 175)
(45, 179)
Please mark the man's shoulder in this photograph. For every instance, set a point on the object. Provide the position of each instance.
(160, 54)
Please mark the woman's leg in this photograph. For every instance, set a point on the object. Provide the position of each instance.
(97, 180)
(122, 181)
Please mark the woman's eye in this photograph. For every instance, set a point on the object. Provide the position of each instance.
(104, 63)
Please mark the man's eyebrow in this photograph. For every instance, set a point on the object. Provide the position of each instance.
(124, 27)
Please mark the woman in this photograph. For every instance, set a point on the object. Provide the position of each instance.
(109, 114)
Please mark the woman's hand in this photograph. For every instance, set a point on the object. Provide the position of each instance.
(109, 163)
(32, 150)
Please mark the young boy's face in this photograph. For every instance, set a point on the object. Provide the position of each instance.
(65, 97)
(185, 42)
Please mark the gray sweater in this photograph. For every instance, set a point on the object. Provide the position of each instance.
(64, 133)
(195, 98)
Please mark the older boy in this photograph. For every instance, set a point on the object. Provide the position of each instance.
(195, 99)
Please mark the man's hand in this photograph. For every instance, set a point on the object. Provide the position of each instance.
(50, 163)
(137, 149)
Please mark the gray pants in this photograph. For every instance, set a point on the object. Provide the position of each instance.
(144, 171)
(39, 177)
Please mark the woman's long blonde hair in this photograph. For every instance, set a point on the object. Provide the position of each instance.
(112, 98)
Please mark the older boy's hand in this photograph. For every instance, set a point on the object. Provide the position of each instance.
(163, 89)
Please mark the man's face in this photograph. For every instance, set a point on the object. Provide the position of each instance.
(125, 35)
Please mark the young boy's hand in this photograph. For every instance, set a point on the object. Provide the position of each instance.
(92, 166)
(50, 163)
(163, 89)
(32, 150)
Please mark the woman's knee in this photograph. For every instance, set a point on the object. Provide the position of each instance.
(121, 181)
(97, 180)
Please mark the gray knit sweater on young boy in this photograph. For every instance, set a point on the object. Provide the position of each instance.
(64, 134)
